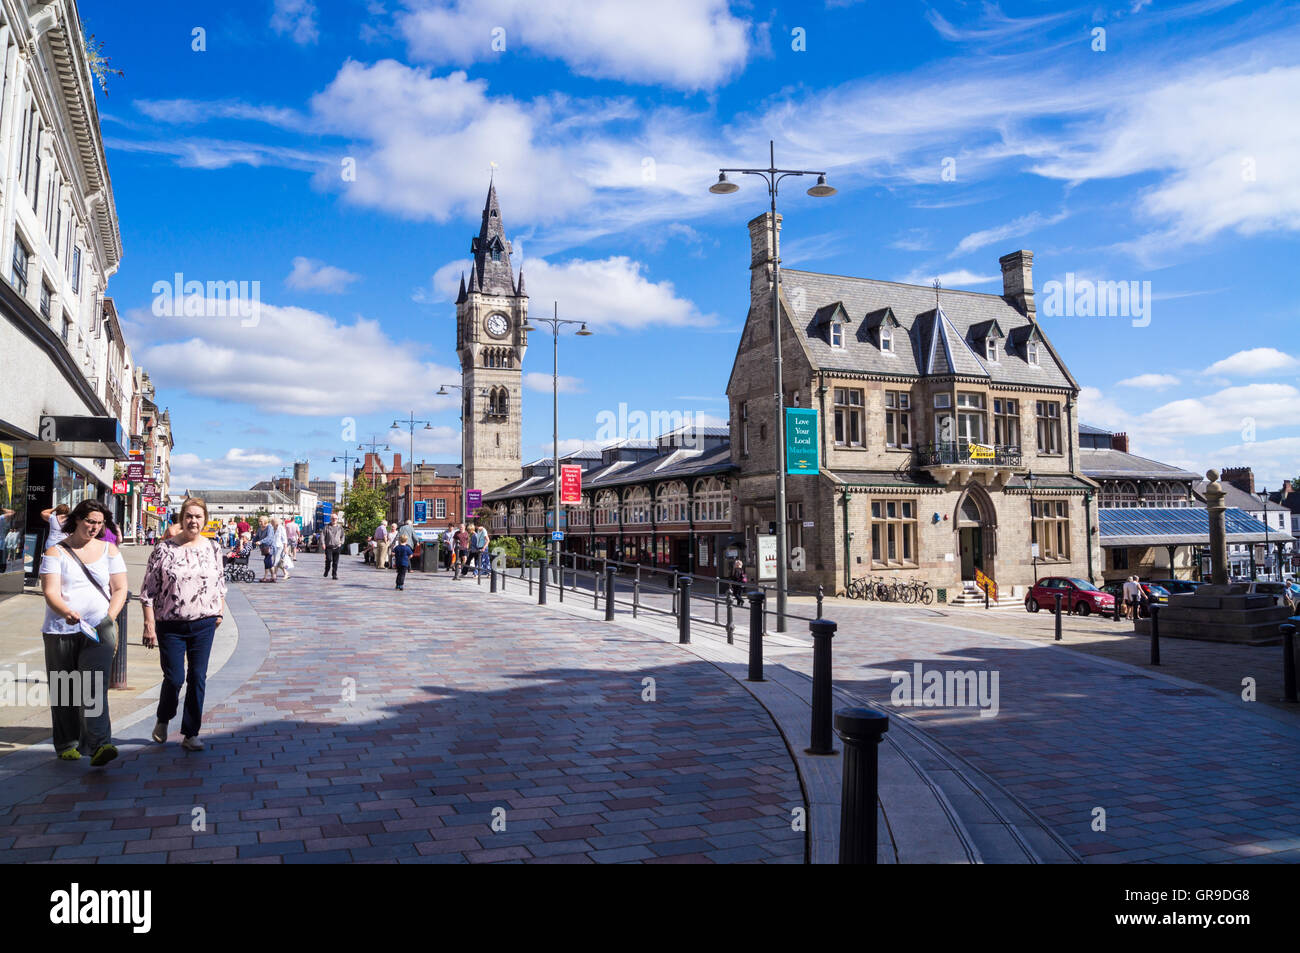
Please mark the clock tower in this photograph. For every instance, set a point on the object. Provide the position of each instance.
(491, 312)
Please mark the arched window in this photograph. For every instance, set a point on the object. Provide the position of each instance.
(670, 503)
(580, 514)
(516, 516)
(636, 505)
(499, 516)
(536, 514)
(712, 501)
(606, 508)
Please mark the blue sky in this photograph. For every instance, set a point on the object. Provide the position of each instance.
(955, 132)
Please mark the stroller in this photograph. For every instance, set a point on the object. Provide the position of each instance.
(236, 568)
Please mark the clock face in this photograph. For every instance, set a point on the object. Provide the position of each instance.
(497, 325)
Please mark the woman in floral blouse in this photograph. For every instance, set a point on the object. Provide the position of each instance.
(183, 596)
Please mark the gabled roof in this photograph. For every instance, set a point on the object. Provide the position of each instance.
(826, 313)
(944, 352)
(881, 316)
(872, 299)
(986, 329)
(1116, 465)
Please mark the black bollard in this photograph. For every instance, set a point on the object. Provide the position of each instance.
(595, 587)
(756, 600)
(821, 594)
(1155, 635)
(986, 597)
(1057, 597)
(684, 610)
(731, 625)
(1288, 661)
(823, 630)
(541, 584)
(1119, 604)
(492, 576)
(117, 675)
(609, 593)
(636, 592)
(861, 730)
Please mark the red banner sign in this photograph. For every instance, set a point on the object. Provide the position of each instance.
(570, 485)
(135, 471)
(119, 486)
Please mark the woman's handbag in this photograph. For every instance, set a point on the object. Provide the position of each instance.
(107, 628)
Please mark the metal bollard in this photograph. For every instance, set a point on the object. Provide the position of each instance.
(986, 597)
(528, 571)
(636, 593)
(595, 588)
(1288, 661)
(756, 600)
(861, 730)
(560, 573)
(1119, 605)
(823, 630)
(731, 626)
(1057, 597)
(676, 611)
(1155, 635)
(117, 675)
(492, 577)
(541, 583)
(821, 593)
(684, 611)
(609, 593)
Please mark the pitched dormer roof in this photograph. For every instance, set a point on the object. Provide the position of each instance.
(943, 351)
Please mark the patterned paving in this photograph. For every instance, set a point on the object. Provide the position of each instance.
(434, 725)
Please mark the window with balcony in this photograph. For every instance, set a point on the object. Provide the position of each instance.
(1006, 422)
(898, 418)
(848, 417)
(893, 533)
(1049, 427)
(1051, 529)
(972, 427)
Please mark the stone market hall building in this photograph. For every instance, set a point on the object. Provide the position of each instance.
(948, 434)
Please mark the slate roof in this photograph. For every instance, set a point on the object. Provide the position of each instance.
(676, 464)
(913, 306)
(1239, 498)
(1089, 429)
(1117, 465)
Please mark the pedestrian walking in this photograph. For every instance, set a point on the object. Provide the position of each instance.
(381, 546)
(462, 551)
(282, 561)
(474, 550)
(83, 579)
(449, 547)
(1132, 597)
(266, 546)
(184, 600)
(54, 518)
(738, 581)
(332, 537)
(482, 539)
(402, 558)
(293, 534)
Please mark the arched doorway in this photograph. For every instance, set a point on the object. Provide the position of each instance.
(975, 523)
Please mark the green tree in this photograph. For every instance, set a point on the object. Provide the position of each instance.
(365, 509)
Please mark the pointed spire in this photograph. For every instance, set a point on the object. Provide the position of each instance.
(473, 279)
(461, 296)
(491, 250)
(520, 292)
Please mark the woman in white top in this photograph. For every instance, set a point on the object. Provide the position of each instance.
(283, 562)
(55, 516)
(84, 583)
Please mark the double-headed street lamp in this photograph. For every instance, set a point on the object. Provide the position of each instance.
(410, 422)
(346, 476)
(1033, 527)
(1263, 497)
(374, 449)
(773, 176)
(464, 412)
(555, 321)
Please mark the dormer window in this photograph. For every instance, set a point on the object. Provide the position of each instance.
(1031, 351)
(837, 334)
(991, 349)
(886, 340)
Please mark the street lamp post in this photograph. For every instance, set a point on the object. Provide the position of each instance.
(1263, 497)
(464, 409)
(374, 449)
(346, 477)
(410, 423)
(555, 321)
(773, 176)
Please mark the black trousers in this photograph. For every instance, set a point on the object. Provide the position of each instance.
(332, 561)
(401, 576)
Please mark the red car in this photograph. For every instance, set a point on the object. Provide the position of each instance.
(1077, 595)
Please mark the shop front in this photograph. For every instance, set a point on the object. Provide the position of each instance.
(13, 516)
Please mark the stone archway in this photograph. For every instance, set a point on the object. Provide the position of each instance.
(975, 523)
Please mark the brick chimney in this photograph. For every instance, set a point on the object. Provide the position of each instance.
(1018, 282)
(397, 463)
(1119, 441)
(1243, 478)
(760, 258)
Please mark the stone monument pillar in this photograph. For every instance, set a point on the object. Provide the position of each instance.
(1214, 497)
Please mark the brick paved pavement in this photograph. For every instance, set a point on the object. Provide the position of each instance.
(461, 707)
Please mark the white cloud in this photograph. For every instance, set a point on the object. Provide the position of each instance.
(949, 279)
(539, 381)
(688, 44)
(1253, 363)
(1250, 407)
(308, 274)
(354, 368)
(1150, 381)
(237, 469)
(606, 293)
(1272, 460)
(1014, 229)
(297, 18)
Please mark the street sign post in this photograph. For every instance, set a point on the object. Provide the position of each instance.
(557, 536)
(422, 511)
(801, 440)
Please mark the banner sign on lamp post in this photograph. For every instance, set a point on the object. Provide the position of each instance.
(570, 485)
(473, 500)
(800, 440)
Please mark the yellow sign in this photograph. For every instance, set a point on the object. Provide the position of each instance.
(7, 455)
(980, 452)
(987, 584)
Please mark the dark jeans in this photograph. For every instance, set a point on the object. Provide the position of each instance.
(332, 560)
(462, 557)
(184, 645)
(78, 669)
(401, 576)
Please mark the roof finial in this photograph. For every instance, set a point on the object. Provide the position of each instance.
(937, 286)
(492, 172)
